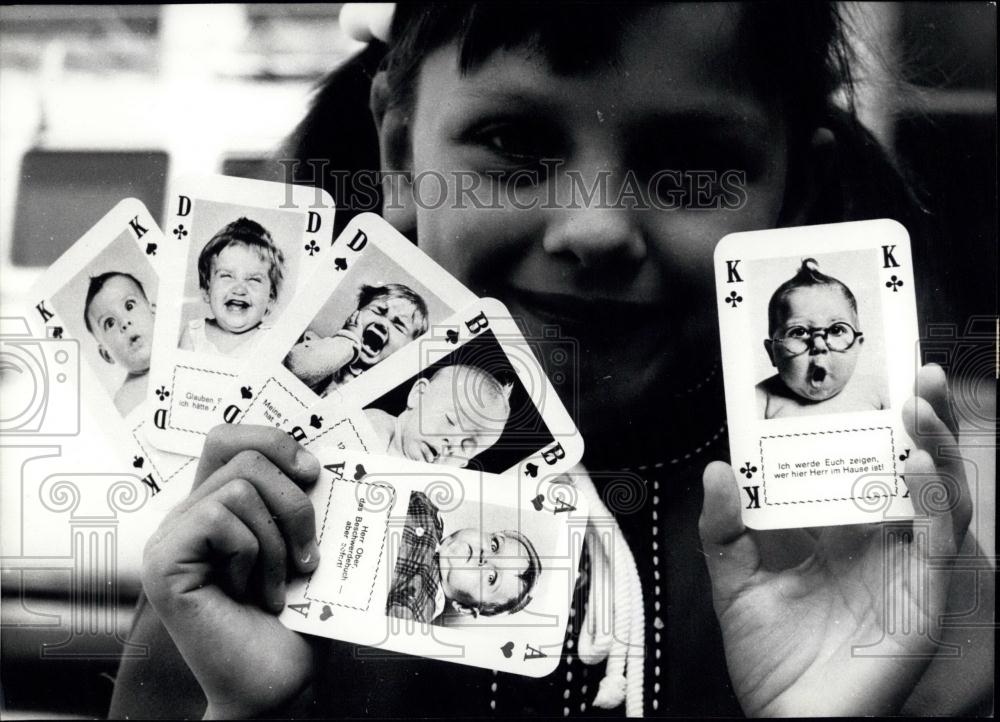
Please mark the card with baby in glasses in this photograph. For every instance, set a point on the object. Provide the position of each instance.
(820, 350)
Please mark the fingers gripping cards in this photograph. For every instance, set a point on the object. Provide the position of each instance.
(448, 525)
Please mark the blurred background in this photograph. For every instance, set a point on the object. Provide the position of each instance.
(102, 102)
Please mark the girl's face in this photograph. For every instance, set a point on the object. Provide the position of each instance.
(633, 284)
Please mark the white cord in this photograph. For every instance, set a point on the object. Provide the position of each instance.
(621, 642)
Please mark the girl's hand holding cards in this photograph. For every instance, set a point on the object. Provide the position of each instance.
(840, 616)
(835, 437)
(215, 569)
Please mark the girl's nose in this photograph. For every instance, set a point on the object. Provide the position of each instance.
(597, 230)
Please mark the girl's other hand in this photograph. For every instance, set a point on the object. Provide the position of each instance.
(792, 629)
(215, 569)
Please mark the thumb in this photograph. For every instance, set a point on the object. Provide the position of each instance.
(731, 553)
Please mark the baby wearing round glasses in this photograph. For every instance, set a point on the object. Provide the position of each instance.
(814, 342)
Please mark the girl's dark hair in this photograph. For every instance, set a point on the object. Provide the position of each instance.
(795, 52)
(807, 275)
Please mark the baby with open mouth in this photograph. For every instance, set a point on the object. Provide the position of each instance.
(120, 317)
(387, 318)
(815, 342)
(239, 272)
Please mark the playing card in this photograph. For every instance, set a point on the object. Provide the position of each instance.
(470, 393)
(236, 255)
(103, 292)
(382, 293)
(451, 564)
(819, 348)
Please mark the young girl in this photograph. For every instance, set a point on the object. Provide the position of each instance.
(526, 101)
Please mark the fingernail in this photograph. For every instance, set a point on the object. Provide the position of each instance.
(306, 464)
(310, 554)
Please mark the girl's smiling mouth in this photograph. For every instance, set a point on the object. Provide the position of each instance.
(585, 313)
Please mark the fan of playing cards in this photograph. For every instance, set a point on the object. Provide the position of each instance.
(447, 526)
(443, 443)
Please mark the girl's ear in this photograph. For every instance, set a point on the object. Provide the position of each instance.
(807, 184)
(396, 150)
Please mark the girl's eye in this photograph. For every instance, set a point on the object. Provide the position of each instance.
(129, 305)
(518, 141)
(492, 578)
(109, 323)
(495, 544)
